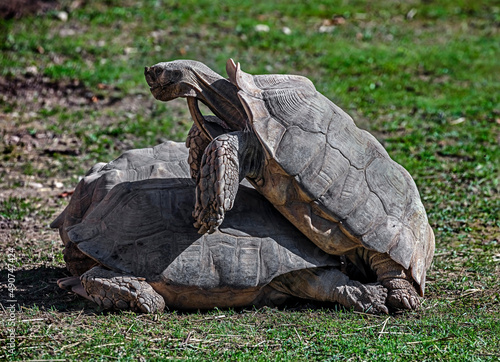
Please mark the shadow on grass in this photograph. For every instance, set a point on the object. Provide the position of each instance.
(37, 289)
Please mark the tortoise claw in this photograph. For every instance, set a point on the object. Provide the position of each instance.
(210, 224)
(402, 295)
(202, 230)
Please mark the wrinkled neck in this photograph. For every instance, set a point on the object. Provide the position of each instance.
(221, 96)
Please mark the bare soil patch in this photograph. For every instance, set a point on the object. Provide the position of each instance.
(31, 137)
(19, 8)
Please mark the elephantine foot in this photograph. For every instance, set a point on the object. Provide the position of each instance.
(368, 298)
(112, 290)
(402, 294)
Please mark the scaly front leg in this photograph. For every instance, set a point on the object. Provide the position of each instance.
(218, 182)
(197, 142)
(227, 160)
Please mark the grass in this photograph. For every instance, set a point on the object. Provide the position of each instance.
(260, 335)
(422, 76)
(15, 208)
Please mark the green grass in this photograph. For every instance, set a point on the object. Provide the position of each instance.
(15, 208)
(422, 76)
(263, 335)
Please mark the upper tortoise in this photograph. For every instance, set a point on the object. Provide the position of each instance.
(332, 180)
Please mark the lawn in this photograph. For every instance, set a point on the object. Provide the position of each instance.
(422, 76)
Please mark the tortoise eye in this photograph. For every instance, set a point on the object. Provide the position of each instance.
(176, 75)
(158, 72)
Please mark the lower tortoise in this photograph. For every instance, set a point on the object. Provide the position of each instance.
(134, 226)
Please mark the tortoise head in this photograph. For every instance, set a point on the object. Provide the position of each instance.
(170, 80)
(195, 81)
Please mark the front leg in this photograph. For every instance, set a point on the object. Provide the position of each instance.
(227, 160)
(197, 142)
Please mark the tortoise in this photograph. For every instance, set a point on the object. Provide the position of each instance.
(334, 182)
(146, 255)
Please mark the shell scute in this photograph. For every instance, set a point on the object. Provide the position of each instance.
(389, 184)
(359, 188)
(384, 236)
(327, 167)
(297, 107)
(350, 141)
(159, 243)
(346, 193)
(295, 153)
(404, 248)
(365, 218)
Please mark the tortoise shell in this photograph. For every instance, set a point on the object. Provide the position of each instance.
(144, 229)
(342, 172)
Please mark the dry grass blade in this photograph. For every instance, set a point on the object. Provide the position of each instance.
(32, 320)
(298, 335)
(186, 341)
(110, 344)
(383, 327)
(69, 346)
(210, 318)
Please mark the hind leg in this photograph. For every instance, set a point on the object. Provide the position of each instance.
(331, 285)
(73, 284)
(113, 290)
(398, 280)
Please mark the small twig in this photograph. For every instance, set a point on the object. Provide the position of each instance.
(258, 344)
(470, 292)
(78, 316)
(45, 287)
(32, 320)
(368, 327)
(129, 328)
(210, 318)
(109, 344)
(69, 346)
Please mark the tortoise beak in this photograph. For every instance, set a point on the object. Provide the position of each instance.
(150, 75)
